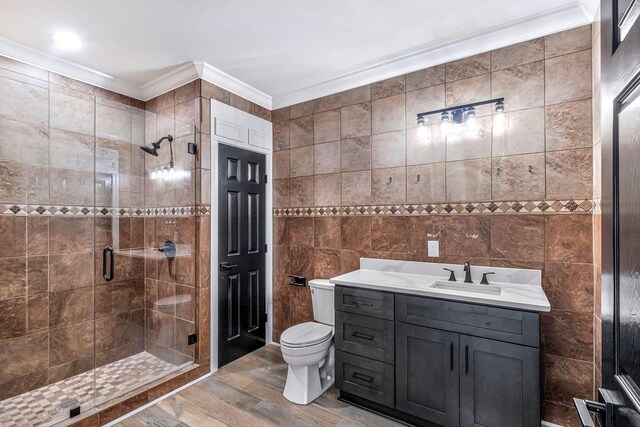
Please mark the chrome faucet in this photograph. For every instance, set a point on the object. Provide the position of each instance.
(467, 273)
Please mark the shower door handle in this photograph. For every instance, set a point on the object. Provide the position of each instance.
(112, 257)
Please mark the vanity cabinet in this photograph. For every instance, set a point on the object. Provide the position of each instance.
(435, 362)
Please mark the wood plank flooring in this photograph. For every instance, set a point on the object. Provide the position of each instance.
(248, 392)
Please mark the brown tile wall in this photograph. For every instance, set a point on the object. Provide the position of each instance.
(53, 293)
(167, 327)
(51, 127)
(187, 105)
(362, 147)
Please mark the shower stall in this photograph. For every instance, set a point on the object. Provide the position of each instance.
(97, 256)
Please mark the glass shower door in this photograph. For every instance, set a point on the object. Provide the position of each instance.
(145, 303)
(90, 308)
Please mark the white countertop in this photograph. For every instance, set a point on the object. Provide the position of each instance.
(520, 288)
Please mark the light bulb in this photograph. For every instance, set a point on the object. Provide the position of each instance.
(165, 172)
(422, 133)
(499, 122)
(445, 128)
(153, 175)
(172, 172)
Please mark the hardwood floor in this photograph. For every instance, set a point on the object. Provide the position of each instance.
(248, 392)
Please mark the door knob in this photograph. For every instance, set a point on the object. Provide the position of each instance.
(224, 266)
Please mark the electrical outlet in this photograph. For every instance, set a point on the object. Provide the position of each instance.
(433, 248)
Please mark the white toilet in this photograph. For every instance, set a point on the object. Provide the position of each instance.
(308, 348)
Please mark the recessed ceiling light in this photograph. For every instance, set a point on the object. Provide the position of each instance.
(66, 40)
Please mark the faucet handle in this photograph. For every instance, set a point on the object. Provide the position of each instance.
(484, 280)
(452, 276)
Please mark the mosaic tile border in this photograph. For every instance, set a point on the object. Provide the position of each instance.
(471, 208)
(82, 211)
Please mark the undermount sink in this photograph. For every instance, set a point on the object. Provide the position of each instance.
(472, 288)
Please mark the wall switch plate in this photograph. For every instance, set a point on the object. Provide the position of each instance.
(433, 248)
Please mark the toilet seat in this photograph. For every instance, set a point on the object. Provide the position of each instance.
(306, 335)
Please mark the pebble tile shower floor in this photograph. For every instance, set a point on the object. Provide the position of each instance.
(51, 403)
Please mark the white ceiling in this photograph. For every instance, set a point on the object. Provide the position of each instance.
(290, 50)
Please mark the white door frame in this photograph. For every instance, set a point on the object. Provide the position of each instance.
(243, 130)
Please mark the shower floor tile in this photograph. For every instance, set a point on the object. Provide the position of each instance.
(51, 403)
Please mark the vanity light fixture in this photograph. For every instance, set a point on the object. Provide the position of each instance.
(460, 113)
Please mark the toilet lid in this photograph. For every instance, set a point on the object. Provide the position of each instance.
(306, 334)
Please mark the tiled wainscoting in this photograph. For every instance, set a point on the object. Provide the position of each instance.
(557, 244)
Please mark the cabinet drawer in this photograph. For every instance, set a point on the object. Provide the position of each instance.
(365, 378)
(365, 336)
(364, 302)
(489, 322)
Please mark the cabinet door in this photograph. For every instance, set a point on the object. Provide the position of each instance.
(499, 384)
(427, 374)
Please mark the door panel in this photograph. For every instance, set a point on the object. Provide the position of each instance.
(233, 304)
(620, 51)
(254, 301)
(253, 232)
(498, 384)
(427, 373)
(233, 223)
(241, 195)
(629, 237)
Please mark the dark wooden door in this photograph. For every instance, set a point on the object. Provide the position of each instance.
(499, 384)
(427, 373)
(619, 398)
(241, 252)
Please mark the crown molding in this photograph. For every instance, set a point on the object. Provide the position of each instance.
(49, 62)
(580, 12)
(232, 84)
(574, 15)
(191, 71)
(173, 79)
(169, 81)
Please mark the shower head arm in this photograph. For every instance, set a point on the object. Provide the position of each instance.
(170, 139)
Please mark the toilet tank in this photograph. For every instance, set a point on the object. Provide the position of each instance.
(322, 300)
